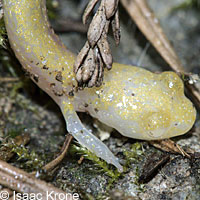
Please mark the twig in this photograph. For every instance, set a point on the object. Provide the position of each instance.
(169, 146)
(20, 181)
(58, 159)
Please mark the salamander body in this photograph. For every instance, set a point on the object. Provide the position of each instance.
(136, 102)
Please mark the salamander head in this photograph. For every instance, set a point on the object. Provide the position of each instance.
(146, 105)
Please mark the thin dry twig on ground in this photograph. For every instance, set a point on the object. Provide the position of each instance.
(96, 55)
(145, 19)
(169, 146)
(20, 181)
(58, 159)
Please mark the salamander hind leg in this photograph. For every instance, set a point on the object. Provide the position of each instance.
(87, 139)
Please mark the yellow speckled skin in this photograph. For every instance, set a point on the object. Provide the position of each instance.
(141, 104)
(37, 47)
(138, 103)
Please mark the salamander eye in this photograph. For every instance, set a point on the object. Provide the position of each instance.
(173, 82)
(155, 124)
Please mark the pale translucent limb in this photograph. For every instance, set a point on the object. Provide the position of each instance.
(88, 140)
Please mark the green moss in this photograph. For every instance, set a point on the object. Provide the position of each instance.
(13, 132)
(15, 88)
(101, 164)
(30, 159)
(133, 154)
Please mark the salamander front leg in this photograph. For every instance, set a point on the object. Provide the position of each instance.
(88, 140)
